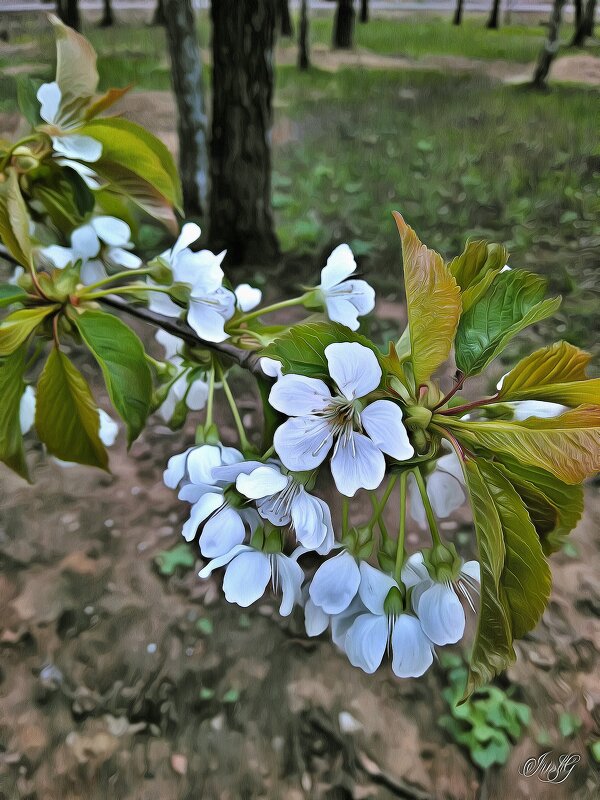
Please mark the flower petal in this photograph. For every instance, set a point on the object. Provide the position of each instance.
(123, 258)
(83, 148)
(340, 309)
(188, 234)
(246, 577)
(340, 623)
(445, 493)
(220, 561)
(172, 344)
(108, 430)
(340, 265)
(92, 271)
(49, 95)
(382, 420)
(524, 409)
(289, 576)
(374, 587)
(315, 619)
(27, 410)
(201, 462)
(353, 367)
(299, 396)
(197, 395)
(472, 570)
(208, 315)
(412, 653)
(206, 505)
(335, 583)
(308, 520)
(366, 641)
(161, 303)
(248, 297)
(303, 442)
(85, 242)
(222, 531)
(113, 231)
(202, 270)
(228, 473)
(441, 614)
(57, 254)
(271, 367)
(176, 469)
(356, 464)
(264, 481)
(450, 463)
(414, 570)
(415, 504)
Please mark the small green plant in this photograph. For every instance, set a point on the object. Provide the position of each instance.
(169, 561)
(488, 723)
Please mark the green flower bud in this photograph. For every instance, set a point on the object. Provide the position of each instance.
(443, 562)
(393, 605)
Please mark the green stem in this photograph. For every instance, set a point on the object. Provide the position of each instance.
(379, 507)
(435, 534)
(294, 301)
(345, 514)
(401, 528)
(268, 453)
(244, 443)
(7, 157)
(130, 289)
(128, 273)
(211, 394)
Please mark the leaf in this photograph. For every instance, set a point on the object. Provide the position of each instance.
(17, 327)
(29, 105)
(476, 268)
(66, 416)
(513, 302)
(14, 219)
(433, 303)
(121, 357)
(76, 72)
(555, 374)
(105, 101)
(10, 293)
(568, 446)
(167, 561)
(12, 387)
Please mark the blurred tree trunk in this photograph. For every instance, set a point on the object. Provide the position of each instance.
(343, 25)
(241, 218)
(458, 12)
(493, 22)
(585, 27)
(285, 20)
(303, 40)
(578, 13)
(158, 18)
(107, 15)
(68, 12)
(186, 77)
(550, 48)
(364, 10)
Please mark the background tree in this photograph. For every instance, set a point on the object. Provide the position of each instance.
(158, 17)
(303, 39)
(241, 218)
(578, 5)
(364, 10)
(343, 24)
(458, 12)
(285, 19)
(107, 14)
(186, 74)
(68, 12)
(550, 48)
(493, 22)
(585, 27)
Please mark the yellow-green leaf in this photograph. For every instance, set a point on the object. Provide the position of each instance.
(433, 302)
(76, 72)
(12, 387)
(14, 219)
(17, 327)
(475, 269)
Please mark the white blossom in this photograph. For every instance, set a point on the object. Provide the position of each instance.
(247, 297)
(193, 392)
(335, 584)
(345, 300)
(359, 432)
(444, 489)
(271, 367)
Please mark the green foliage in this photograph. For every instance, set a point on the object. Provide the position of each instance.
(569, 724)
(476, 268)
(10, 293)
(18, 326)
(180, 557)
(488, 723)
(14, 219)
(12, 387)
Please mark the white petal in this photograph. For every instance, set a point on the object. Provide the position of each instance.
(500, 383)
(271, 367)
(308, 520)
(59, 256)
(353, 367)
(108, 430)
(176, 469)
(111, 230)
(289, 576)
(161, 303)
(229, 473)
(303, 442)
(451, 464)
(525, 409)
(445, 493)
(224, 559)
(361, 295)
(340, 309)
(415, 504)
(247, 296)
(356, 464)
(346, 302)
(221, 532)
(328, 542)
(264, 481)
(340, 265)
(201, 462)
(123, 258)
(172, 344)
(412, 653)
(382, 420)
(472, 570)
(85, 242)
(441, 614)
(315, 619)
(197, 395)
(246, 578)
(27, 410)
(374, 587)
(189, 233)
(192, 492)
(335, 583)
(202, 270)
(206, 505)
(414, 570)
(208, 315)
(49, 96)
(366, 641)
(340, 623)
(83, 148)
(90, 178)
(92, 271)
(298, 396)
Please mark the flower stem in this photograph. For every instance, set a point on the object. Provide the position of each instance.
(435, 534)
(401, 527)
(294, 301)
(244, 443)
(128, 273)
(379, 507)
(211, 393)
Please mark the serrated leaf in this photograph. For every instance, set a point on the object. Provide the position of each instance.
(9, 294)
(513, 301)
(568, 446)
(14, 219)
(121, 357)
(12, 387)
(554, 374)
(66, 416)
(19, 325)
(433, 303)
(475, 269)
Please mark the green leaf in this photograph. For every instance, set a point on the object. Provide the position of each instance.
(17, 327)
(9, 294)
(12, 387)
(121, 357)
(476, 268)
(29, 105)
(66, 416)
(555, 374)
(14, 219)
(76, 72)
(433, 303)
(513, 301)
(568, 446)
(168, 561)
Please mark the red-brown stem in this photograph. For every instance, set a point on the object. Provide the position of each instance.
(448, 412)
(457, 387)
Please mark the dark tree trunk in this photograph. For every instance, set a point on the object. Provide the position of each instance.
(493, 22)
(458, 12)
(186, 77)
(585, 27)
(285, 20)
(550, 48)
(303, 40)
(343, 25)
(68, 12)
(158, 18)
(364, 10)
(578, 13)
(107, 15)
(241, 218)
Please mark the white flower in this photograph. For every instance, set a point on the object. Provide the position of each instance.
(359, 434)
(345, 300)
(249, 571)
(271, 367)
(193, 392)
(437, 604)
(370, 634)
(247, 296)
(335, 584)
(316, 620)
(282, 500)
(27, 410)
(524, 409)
(444, 489)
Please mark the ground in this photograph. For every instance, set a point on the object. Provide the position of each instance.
(117, 681)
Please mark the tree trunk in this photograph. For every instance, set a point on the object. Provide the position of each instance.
(578, 13)
(343, 25)
(364, 10)
(158, 18)
(186, 77)
(285, 20)
(241, 218)
(458, 12)
(303, 41)
(68, 12)
(493, 22)
(107, 15)
(550, 48)
(585, 27)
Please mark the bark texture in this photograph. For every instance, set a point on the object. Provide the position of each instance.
(108, 18)
(493, 22)
(458, 12)
(186, 76)
(241, 218)
(550, 48)
(303, 40)
(343, 25)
